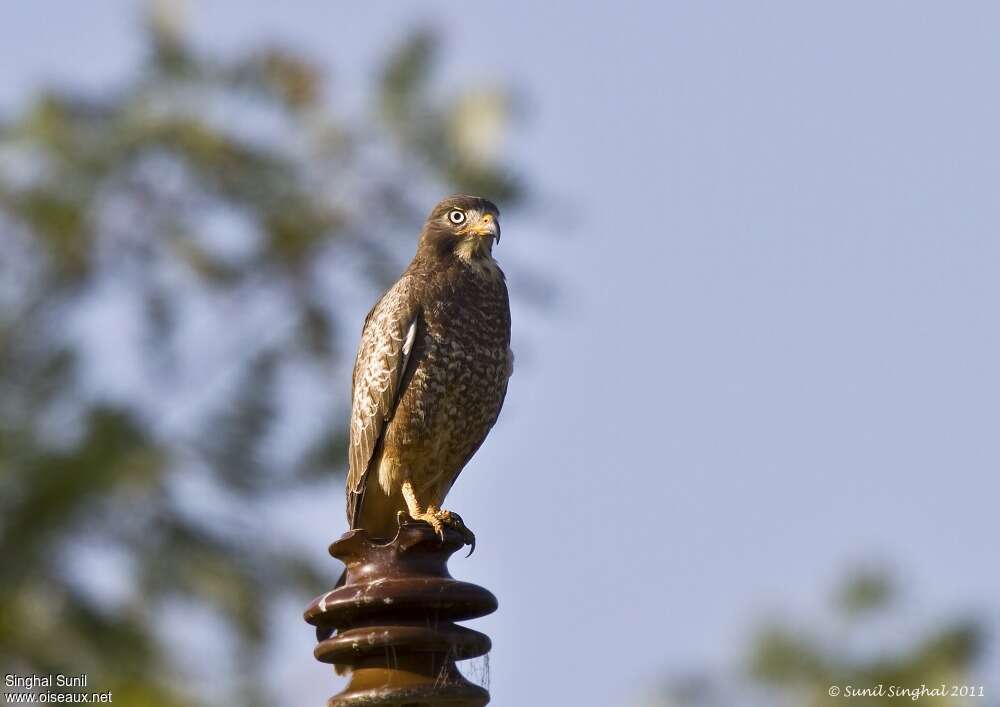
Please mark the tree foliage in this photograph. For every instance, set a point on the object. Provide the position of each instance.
(860, 655)
(176, 255)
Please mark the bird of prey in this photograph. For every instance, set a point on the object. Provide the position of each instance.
(430, 374)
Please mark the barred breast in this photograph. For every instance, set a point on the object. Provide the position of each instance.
(459, 380)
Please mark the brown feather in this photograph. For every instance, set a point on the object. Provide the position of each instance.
(421, 417)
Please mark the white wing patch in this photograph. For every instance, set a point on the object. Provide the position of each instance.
(411, 335)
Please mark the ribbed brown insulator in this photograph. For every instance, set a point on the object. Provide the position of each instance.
(392, 623)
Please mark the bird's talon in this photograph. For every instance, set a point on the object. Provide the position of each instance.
(438, 518)
(456, 522)
(432, 518)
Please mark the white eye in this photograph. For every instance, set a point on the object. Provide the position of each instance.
(456, 216)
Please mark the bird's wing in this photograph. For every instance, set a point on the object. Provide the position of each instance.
(386, 343)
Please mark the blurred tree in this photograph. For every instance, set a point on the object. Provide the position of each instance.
(867, 645)
(173, 259)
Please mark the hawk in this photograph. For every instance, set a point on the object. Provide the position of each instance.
(430, 374)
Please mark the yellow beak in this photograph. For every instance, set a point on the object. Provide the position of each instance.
(486, 226)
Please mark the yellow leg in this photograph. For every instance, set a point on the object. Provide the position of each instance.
(436, 517)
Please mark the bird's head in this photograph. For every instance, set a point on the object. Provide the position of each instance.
(463, 226)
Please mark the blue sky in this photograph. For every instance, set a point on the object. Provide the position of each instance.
(776, 234)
